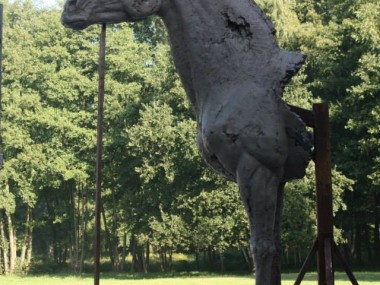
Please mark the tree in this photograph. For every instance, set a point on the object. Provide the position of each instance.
(46, 134)
(158, 194)
(217, 221)
(169, 234)
(341, 40)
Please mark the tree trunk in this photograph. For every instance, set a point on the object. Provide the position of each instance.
(133, 252)
(222, 261)
(51, 240)
(75, 245)
(108, 237)
(147, 258)
(299, 257)
(358, 243)
(12, 245)
(4, 246)
(124, 252)
(211, 258)
(248, 258)
(138, 260)
(84, 222)
(25, 242)
(367, 243)
(170, 259)
(115, 240)
(29, 247)
(286, 255)
(376, 233)
(65, 254)
(197, 258)
(23, 253)
(143, 261)
(162, 265)
(165, 259)
(116, 261)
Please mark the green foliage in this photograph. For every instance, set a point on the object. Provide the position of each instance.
(157, 191)
(169, 232)
(299, 227)
(217, 218)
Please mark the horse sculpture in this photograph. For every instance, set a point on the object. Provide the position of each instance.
(234, 74)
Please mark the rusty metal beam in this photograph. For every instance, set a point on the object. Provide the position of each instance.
(324, 244)
(306, 115)
(307, 263)
(324, 192)
(345, 264)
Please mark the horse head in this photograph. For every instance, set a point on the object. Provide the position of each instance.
(79, 14)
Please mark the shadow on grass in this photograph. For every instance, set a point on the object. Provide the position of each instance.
(142, 276)
(157, 275)
(311, 276)
(339, 276)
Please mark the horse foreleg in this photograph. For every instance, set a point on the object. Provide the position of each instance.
(258, 189)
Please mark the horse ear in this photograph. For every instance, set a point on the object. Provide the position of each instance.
(139, 9)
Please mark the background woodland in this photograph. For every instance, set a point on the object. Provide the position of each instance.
(160, 201)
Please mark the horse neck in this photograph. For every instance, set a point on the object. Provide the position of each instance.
(217, 41)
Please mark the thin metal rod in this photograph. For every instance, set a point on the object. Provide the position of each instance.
(99, 151)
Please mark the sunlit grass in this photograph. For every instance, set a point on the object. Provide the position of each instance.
(193, 278)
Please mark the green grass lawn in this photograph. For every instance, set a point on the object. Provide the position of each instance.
(364, 278)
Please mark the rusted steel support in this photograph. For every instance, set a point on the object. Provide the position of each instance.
(307, 263)
(324, 244)
(99, 151)
(328, 262)
(324, 193)
(307, 116)
(344, 264)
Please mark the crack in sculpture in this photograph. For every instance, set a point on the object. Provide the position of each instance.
(234, 74)
(238, 25)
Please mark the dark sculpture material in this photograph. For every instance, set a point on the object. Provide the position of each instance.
(234, 74)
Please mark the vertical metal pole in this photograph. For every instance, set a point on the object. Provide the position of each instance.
(1, 80)
(324, 193)
(99, 150)
(324, 245)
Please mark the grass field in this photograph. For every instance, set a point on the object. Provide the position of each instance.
(364, 278)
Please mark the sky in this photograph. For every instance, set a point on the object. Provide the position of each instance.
(46, 3)
(49, 2)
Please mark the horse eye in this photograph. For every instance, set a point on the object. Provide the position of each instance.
(72, 2)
